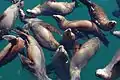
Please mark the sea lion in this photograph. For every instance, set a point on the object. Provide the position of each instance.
(85, 26)
(11, 51)
(60, 63)
(7, 19)
(82, 56)
(112, 70)
(25, 19)
(35, 62)
(98, 16)
(50, 8)
(41, 33)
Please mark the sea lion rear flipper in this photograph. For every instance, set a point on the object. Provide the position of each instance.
(2, 16)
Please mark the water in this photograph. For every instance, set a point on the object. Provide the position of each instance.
(14, 71)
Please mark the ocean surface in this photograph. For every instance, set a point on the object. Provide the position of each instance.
(14, 70)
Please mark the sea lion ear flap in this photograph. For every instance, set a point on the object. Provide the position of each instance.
(9, 37)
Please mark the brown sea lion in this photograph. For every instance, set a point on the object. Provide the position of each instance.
(41, 33)
(35, 62)
(98, 16)
(86, 26)
(49, 8)
(11, 50)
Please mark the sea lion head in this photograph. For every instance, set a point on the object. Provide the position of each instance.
(68, 34)
(61, 52)
(112, 24)
(103, 73)
(20, 3)
(59, 18)
(13, 39)
(61, 49)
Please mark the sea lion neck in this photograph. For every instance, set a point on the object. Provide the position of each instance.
(63, 23)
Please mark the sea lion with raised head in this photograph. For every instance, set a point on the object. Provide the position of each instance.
(16, 44)
(112, 70)
(82, 56)
(98, 16)
(85, 26)
(40, 32)
(68, 39)
(35, 62)
(50, 8)
(60, 64)
(7, 19)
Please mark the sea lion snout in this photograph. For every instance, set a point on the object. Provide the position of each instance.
(102, 73)
(112, 24)
(58, 17)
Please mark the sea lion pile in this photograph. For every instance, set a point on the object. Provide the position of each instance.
(70, 56)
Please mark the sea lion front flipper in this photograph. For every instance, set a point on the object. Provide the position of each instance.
(2, 16)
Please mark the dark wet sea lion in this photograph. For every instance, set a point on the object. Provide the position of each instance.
(60, 64)
(41, 33)
(112, 70)
(99, 16)
(11, 50)
(7, 19)
(82, 56)
(85, 26)
(27, 19)
(50, 8)
(36, 60)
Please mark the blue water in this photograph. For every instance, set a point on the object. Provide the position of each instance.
(14, 71)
